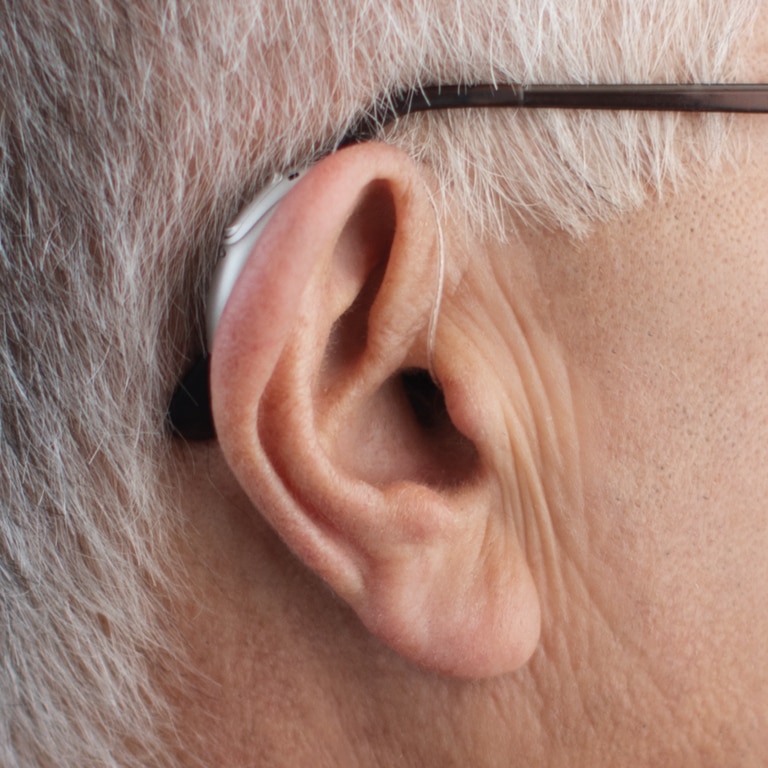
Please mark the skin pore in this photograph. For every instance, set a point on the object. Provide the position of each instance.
(624, 413)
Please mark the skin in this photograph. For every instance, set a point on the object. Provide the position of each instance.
(622, 425)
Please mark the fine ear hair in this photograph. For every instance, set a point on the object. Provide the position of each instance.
(330, 423)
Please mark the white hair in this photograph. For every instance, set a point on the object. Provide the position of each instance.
(129, 133)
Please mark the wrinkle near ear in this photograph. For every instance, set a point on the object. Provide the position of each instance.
(521, 405)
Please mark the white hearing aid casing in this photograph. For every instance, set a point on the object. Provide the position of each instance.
(239, 238)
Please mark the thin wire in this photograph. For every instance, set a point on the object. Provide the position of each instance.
(436, 304)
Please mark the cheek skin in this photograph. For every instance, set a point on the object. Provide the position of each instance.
(662, 321)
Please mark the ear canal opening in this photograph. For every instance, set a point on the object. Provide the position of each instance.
(425, 398)
(453, 457)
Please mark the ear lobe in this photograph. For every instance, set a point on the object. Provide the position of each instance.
(331, 426)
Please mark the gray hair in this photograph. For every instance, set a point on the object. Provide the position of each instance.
(129, 133)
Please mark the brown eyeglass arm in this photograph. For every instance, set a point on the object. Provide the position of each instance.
(657, 98)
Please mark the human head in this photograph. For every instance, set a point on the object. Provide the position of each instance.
(130, 136)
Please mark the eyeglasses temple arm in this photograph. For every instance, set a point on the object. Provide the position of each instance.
(658, 98)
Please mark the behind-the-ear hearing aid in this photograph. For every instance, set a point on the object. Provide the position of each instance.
(239, 238)
(189, 411)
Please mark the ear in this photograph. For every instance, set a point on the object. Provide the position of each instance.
(329, 421)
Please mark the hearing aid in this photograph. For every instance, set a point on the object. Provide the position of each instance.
(189, 410)
(239, 239)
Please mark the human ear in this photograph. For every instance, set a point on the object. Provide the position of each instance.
(373, 476)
